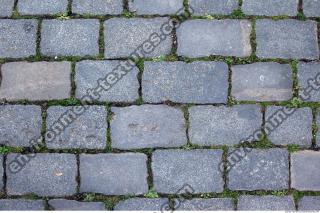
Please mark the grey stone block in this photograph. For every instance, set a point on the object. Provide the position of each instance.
(97, 7)
(76, 37)
(114, 174)
(147, 126)
(270, 7)
(311, 8)
(44, 174)
(214, 7)
(305, 170)
(260, 170)
(72, 205)
(309, 203)
(88, 73)
(87, 130)
(293, 128)
(210, 125)
(36, 81)
(136, 37)
(199, 38)
(142, 204)
(213, 204)
(287, 39)
(21, 205)
(156, 7)
(1, 173)
(19, 125)
(18, 38)
(267, 81)
(308, 71)
(265, 203)
(42, 7)
(174, 170)
(6, 8)
(197, 82)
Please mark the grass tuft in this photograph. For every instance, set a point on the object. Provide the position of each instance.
(151, 194)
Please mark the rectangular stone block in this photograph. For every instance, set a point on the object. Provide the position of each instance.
(200, 38)
(197, 82)
(198, 169)
(97, 7)
(197, 204)
(114, 174)
(311, 8)
(72, 205)
(214, 7)
(6, 8)
(21, 205)
(287, 39)
(270, 7)
(307, 71)
(35, 81)
(136, 37)
(266, 203)
(42, 7)
(156, 7)
(43, 174)
(1, 174)
(309, 203)
(147, 126)
(143, 204)
(268, 81)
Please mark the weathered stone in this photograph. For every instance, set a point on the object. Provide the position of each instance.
(114, 174)
(270, 7)
(76, 37)
(97, 7)
(42, 7)
(213, 204)
(147, 126)
(267, 81)
(197, 82)
(44, 174)
(19, 125)
(156, 7)
(307, 71)
(36, 81)
(21, 205)
(176, 171)
(86, 130)
(136, 37)
(6, 8)
(1, 173)
(287, 39)
(214, 7)
(311, 8)
(309, 203)
(260, 170)
(72, 205)
(88, 73)
(210, 125)
(265, 203)
(198, 38)
(305, 170)
(18, 38)
(142, 204)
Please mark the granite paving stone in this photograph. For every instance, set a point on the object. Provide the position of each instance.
(21, 205)
(213, 204)
(214, 7)
(266, 203)
(156, 7)
(270, 7)
(6, 8)
(307, 71)
(309, 203)
(311, 8)
(42, 7)
(72, 205)
(142, 204)
(97, 7)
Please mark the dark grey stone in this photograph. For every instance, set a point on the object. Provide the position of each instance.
(265, 203)
(197, 82)
(72, 205)
(21, 205)
(214, 7)
(287, 39)
(142, 204)
(309, 203)
(210, 125)
(308, 71)
(260, 170)
(270, 7)
(311, 8)
(199, 38)
(156, 7)
(267, 81)
(213, 204)
(44, 174)
(42, 7)
(76, 37)
(175, 171)
(19, 125)
(87, 130)
(6, 8)
(136, 38)
(97, 7)
(88, 73)
(36, 81)
(296, 128)
(18, 38)
(305, 170)
(147, 126)
(114, 174)
(1, 173)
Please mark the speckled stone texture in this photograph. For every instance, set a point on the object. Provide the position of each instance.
(309, 203)
(307, 76)
(21, 205)
(1, 173)
(265, 203)
(142, 204)
(97, 7)
(214, 7)
(270, 7)
(72, 205)
(311, 8)
(42, 7)
(156, 7)
(213, 204)
(6, 8)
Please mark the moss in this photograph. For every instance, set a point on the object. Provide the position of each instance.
(295, 102)
(264, 143)
(301, 16)
(89, 197)
(293, 148)
(279, 193)
(65, 102)
(279, 17)
(8, 149)
(151, 194)
(237, 14)
(128, 14)
(230, 194)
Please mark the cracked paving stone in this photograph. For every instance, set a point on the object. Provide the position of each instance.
(214, 7)
(97, 7)
(21, 205)
(1, 173)
(270, 7)
(143, 204)
(265, 203)
(309, 203)
(311, 8)
(6, 8)
(213, 204)
(42, 7)
(156, 7)
(307, 71)
(72, 205)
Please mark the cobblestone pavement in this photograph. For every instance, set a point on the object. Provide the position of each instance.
(160, 138)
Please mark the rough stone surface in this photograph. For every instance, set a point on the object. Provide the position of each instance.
(311, 8)
(295, 129)
(268, 81)
(1, 173)
(318, 132)
(19, 125)
(114, 174)
(88, 73)
(197, 82)
(21, 205)
(72, 205)
(213, 204)
(87, 131)
(199, 38)
(147, 126)
(123, 38)
(175, 171)
(142, 204)
(18, 38)
(308, 71)
(36, 81)
(6, 8)
(305, 170)
(265, 203)
(156, 7)
(287, 39)
(270, 7)
(76, 37)
(46, 174)
(260, 170)
(97, 7)
(42, 7)
(214, 7)
(309, 203)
